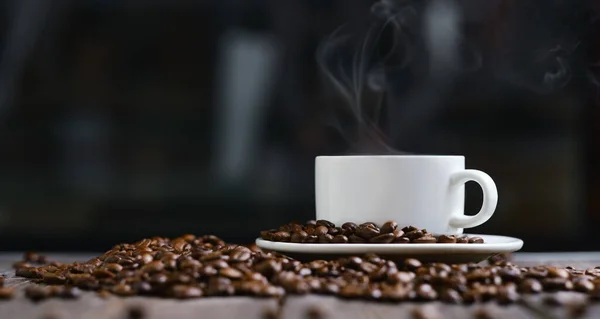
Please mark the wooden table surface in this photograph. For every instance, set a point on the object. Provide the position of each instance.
(93, 307)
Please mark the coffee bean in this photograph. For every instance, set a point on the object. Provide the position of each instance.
(412, 263)
(268, 267)
(153, 267)
(412, 235)
(281, 236)
(185, 292)
(339, 239)
(299, 237)
(356, 239)
(426, 312)
(312, 239)
(36, 293)
(69, 293)
(231, 273)
(141, 287)
(401, 240)
(507, 294)
(353, 291)
(426, 292)
(320, 231)
(444, 239)
(553, 284)
(336, 231)
(326, 238)
(54, 278)
(220, 286)
(325, 223)
(462, 240)
(267, 234)
(476, 240)
(367, 231)
(315, 313)
(450, 295)
(383, 238)
(408, 229)
(113, 267)
(583, 285)
(123, 290)
(425, 240)
(135, 312)
(389, 227)
(7, 292)
(483, 313)
(102, 273)
(555, 272)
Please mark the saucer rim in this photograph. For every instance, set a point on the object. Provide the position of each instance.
(510, 244)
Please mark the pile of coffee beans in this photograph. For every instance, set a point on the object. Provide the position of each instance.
(323, 231)
(194, 267)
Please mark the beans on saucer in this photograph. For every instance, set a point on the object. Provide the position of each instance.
(326, 232)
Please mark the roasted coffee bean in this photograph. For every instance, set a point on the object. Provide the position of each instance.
(412, 235)
(409, 229)
(349, 227)
(356, 239)
(312, 239)
(268, 267)
(28, 272)
(412, 263)
(426, 292)
(54, 278)
(401, 240)
(135, 312)
(462, 240)
(299, 237)
(37, 293)
(555, 272)
(353, 291)
(339, 239)
(583, 285)
(325, 223)
(507, 294)
(444, 239)
(185, 292)
(320, 231)
(389, 227)
(450, 295)
(383, 238)
(220, 286)
(475, 240)
(367, 231)
(426, 312)
(7, 292)
(231, 273)
(336, 231)
(281, 236)
(326, 238)
(425, 240)
(153, 267)
(553, 284)
(69, 293)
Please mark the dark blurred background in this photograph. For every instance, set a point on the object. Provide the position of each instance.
(124, 119)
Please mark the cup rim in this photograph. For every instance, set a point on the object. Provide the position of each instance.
(389, 156)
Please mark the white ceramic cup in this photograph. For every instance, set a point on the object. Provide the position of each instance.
(422, 191)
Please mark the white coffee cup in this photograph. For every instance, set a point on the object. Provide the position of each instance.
(422, 191)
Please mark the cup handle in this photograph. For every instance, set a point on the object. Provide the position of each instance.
(490, 197)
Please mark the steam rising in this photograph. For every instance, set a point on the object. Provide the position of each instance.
(422, 41)
(357, 64)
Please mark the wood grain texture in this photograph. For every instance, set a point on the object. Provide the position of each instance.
(294, 307)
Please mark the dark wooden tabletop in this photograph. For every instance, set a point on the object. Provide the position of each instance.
(93, 307)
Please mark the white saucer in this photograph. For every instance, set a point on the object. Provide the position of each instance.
(449, 253)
